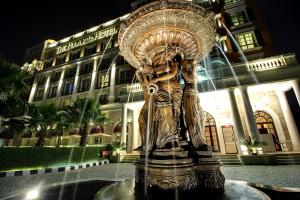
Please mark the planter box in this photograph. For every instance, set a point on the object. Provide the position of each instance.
(116, 158)
(258, 159)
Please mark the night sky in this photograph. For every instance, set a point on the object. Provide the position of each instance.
(26, 23)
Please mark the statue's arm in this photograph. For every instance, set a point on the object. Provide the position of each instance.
(167, 76)
(142, 78)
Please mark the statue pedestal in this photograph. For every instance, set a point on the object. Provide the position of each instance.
(179, 170)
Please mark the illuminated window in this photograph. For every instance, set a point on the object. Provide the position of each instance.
(211, 135)
(247, 40)
(103, 80)
(238, 18)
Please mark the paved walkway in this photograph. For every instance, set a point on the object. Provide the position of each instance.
(284, 176)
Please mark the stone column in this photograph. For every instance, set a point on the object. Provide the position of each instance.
(124, 124)
(76, 83)
(288, 116)
(60, 83)
(33, 90)
(237, 121)
(250, 118)
(112, 79)
(94, 78)
(296, 87)
(135, 131)
(47, 86)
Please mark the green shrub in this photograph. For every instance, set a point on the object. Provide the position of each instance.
(12, 158)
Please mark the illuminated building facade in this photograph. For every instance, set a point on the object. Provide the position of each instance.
(259, 98)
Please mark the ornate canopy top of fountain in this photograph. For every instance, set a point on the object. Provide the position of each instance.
(162, 24)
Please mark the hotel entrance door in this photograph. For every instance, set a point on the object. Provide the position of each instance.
(229, 140)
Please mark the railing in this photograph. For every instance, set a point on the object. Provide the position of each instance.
(136, 87)
(267, 64)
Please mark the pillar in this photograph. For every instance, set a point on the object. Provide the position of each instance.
(124, 124)
(47, 87)
(60, 83)
(33, 90)
(237, 121)
(112, 84)
(250, 118)
(135, 131)
(288, 116)
(94, 78)
(76, 83)
(296, 87)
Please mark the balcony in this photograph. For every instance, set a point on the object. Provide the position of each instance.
(233, 3)
(135, 91)
(271, 63)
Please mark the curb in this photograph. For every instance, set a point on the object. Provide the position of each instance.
(53, 170)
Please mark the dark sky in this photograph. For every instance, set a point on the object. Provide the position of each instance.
(25, 23)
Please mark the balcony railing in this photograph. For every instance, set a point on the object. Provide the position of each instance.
(134, 88)
(271, 63)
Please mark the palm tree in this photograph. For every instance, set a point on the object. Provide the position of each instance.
(43, 117)
(11, 80)
(13, 108)
(63, 120)
(85, 112)
(15, 118)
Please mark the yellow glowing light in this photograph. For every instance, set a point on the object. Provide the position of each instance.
(32, 194)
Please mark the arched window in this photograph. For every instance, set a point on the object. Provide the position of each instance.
(265, 125)
(211, 135)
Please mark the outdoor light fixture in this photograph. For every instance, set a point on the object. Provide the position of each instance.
(244, 150)
(32, 194)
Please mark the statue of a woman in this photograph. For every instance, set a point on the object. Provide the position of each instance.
(167, 101)
(193, 113)
(143, 75)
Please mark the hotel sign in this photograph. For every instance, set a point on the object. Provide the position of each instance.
(89, 39)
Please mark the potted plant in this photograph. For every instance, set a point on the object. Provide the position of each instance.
(117, 148)
(253, 146)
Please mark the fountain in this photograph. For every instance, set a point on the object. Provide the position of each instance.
(164, 40)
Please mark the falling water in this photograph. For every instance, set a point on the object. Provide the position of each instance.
(230, 66)
(81, 118)
(209, 78)
(131, 88)
(107, 72)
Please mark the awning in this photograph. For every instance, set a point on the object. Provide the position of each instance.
(97, 130)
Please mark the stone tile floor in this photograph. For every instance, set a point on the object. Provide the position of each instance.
(284, 176)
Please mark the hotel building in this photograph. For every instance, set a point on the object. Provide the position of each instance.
(259, 96)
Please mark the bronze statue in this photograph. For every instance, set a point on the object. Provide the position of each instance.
(143, 75)
(167, 101)
(193, 114)
(151, 39)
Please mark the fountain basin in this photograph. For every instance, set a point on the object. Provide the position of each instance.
(234, 190)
